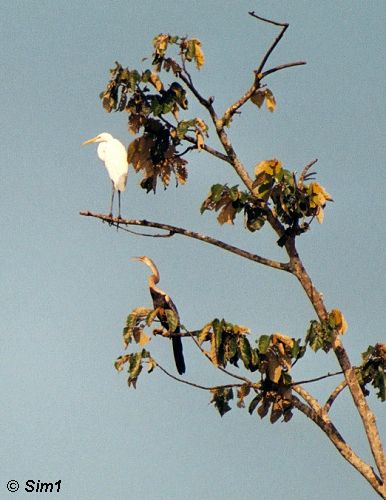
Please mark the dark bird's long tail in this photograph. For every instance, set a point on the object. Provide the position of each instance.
(178, 355)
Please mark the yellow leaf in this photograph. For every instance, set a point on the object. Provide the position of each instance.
(144, 339)
(319, 195)
(151, 364)
(320, 215)
(213, 351)
(156, 82)
(284, 339)
(121, 361)
(241, 330)
(270, 167)
(203, 335)
(199, 140)
(258, 98)
(201, 124)
(339, 320)
(176, 115)
(198, 54)
(160, 43)
(270, 101)
(227, 214)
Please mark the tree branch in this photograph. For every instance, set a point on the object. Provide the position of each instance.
(197, 386)
(280, 67)
(284, 27)
(208, 149)
(313, 403)
(325, 424)
(367, 416)
(114, 221)
(335, 393)
(316, 379)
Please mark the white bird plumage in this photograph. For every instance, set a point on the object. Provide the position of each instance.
(113, 153)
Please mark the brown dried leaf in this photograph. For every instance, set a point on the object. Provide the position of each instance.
(227, 214)
(258, 98)
(156, 82)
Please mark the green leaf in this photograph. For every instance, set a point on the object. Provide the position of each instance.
(253, 404)
(151, 316)
(234, 193)
(220, 399)
(146, 76)
(244, 350)
(156, 106)
(217, 192)
(172, 318)
(255, 360)
(217, 329)
(263, 343)
(135, 368)
(231, 347)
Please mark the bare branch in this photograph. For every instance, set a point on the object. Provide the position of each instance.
(284, 27)
(259, 74)
(304, 172)
(308, 381)
(114, 221)
(335, 393)
(209, 149)
(280, 67)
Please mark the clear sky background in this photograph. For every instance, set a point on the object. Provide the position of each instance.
(67, 283)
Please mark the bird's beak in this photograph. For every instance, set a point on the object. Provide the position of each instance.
(136, 259)
(90, 141)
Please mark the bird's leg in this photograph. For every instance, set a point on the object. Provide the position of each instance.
(112, 201)
(119, 204)
(119, 209)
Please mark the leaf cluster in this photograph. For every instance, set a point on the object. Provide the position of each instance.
(373, 370)
(321, 334)
(151, 107)
(229, 201)
(273, 356)
(294, 202)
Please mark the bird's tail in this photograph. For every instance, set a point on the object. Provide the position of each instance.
(178, 355)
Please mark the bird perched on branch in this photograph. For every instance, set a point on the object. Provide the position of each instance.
(164, 303)
(113, 153)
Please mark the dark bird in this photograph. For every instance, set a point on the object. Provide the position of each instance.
(162, 301)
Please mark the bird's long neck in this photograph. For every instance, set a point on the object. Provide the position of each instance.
(153, 279)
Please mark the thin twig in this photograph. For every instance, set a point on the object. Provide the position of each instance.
(192, 384)
(209, 149)
(284, 27)
(308, 381)
(156, 235)
(280, 67)
(304, 172)
(115, 222)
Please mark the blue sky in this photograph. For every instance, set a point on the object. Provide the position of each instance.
(68, 283)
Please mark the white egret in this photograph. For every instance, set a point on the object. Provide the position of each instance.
(113, 153)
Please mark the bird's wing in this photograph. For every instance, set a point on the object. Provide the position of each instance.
(114, 156)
